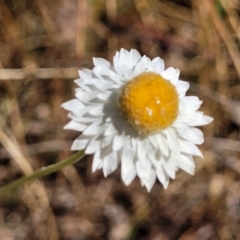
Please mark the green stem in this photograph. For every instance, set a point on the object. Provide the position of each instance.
(41, 172)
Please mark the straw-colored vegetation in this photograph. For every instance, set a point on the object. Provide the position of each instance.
(42, 45)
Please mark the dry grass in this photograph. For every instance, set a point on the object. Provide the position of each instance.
(42, 44)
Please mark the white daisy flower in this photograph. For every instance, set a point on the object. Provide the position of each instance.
(135, 113)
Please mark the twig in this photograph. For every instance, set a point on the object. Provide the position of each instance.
(223, 144)
(39, 73)
(224, 34)
(36, 148)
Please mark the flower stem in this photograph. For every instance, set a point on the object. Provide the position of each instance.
(41, 172)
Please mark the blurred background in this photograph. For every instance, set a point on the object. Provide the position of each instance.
(42, 45)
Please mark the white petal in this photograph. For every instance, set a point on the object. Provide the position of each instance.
(128, 154)
(143, 65)
(182, 88)
(118, 79)
(97, 111)
(162, 177)
(120, 62)
(179, 123)
(104, 96)
(99, 83)
(190, 148)
(129, 174)
(170, 167)
(135, 57)
(110, 163)
(106, 141)
(192, 134)
(101, 63)
(95, 128)
(172, 139)
(161, 140)
(151, 155)
(148, 183)
(154, 140)
(85, 73)
(77, 113)
(158, 65)
(86, 96)
(198, 119)
(110, 130)
(94, 145)
(142, 147)
(143, 167)
(207, 119)
(82, 85)
(190, 104)
(106, 151)
(78, 118)
(80, 143)
(171, 74)
(73, 125)
(186, 163)
(73, 104)
(97, 161)
(118, 141)
(125, 61)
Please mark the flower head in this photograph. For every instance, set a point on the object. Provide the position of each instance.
(135, 113)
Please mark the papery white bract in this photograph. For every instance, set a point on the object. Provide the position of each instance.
(107, 133)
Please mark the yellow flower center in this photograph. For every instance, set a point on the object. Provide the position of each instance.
(149, 102)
